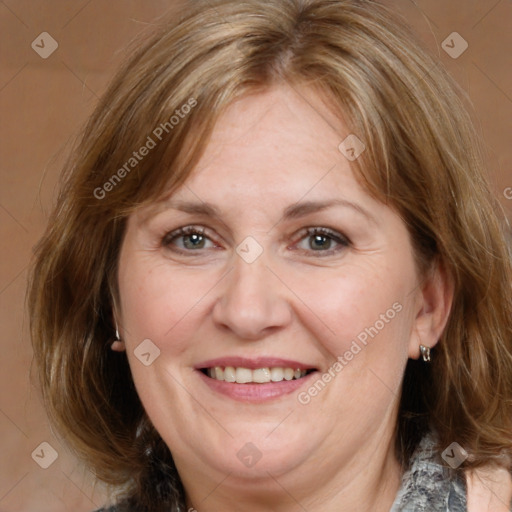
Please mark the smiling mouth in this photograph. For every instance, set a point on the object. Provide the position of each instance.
(240, 375)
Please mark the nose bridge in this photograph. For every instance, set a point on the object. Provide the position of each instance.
(252, 301)
(251, 279)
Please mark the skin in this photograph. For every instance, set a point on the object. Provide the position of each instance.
(489, 490)
(270, 151)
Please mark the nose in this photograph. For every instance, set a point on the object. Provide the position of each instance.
(252, 302)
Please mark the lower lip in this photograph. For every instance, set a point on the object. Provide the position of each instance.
(255, 393)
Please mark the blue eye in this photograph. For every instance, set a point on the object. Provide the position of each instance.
(189, 238)
(318, 240)
(323, 240)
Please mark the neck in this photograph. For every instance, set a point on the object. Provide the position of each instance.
(366, 481)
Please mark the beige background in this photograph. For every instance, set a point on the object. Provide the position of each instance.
(45, 101)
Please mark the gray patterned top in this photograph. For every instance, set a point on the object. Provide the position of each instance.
(428, 485)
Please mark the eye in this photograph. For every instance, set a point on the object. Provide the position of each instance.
(187, 239)
(322, 240)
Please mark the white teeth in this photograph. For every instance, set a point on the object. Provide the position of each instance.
(288, 373)
(243, 375)
(260, 375)
(229, 374)
(276, 374)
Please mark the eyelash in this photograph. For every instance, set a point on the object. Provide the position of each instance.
(342, 241)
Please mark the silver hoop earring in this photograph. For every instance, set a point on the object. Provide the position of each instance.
(425, 353)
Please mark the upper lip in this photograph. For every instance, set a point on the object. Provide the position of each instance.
(253, 364)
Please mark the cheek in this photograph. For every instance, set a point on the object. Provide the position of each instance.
(155, 299)
(362, 304)
(361, 321)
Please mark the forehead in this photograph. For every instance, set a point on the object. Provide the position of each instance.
(282, 142)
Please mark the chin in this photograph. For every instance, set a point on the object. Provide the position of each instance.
(254, 456)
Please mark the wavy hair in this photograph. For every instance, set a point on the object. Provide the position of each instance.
(421, 158)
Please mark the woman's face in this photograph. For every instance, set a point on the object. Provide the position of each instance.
(285, 263)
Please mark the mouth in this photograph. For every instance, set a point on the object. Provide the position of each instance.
(241, 375)
(254, 380)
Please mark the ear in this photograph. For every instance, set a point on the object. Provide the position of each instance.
(434, 302)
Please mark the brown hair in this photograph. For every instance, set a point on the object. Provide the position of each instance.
(421, 158)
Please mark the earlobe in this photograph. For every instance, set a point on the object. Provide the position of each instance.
(433, 310)
(118, 346)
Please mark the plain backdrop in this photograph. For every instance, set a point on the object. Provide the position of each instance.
(45, 101)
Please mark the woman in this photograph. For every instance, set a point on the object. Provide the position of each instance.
(275, 278)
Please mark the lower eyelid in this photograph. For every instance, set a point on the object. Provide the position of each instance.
(341, 245)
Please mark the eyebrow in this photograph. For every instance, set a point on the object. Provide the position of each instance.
(302, 209)
(294, 211)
